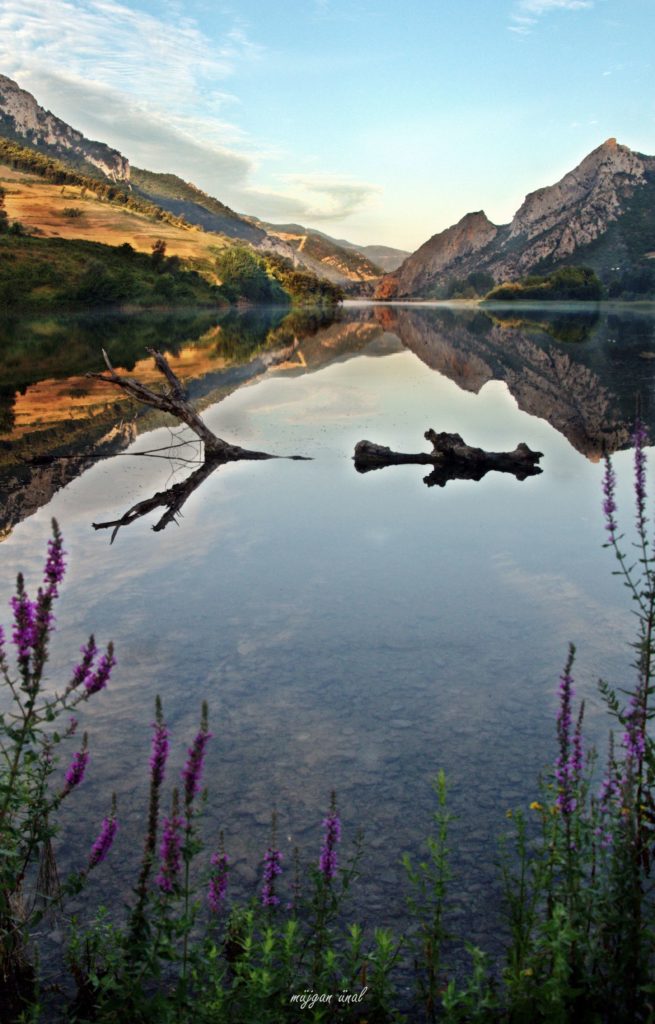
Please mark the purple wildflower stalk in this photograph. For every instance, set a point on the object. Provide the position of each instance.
(639, 441)
(634, 741)
(159, 750)
(103, 843)
(218, 881)
(608, 794)
(566, 764)
(272, 868)
(83, 671)
(158, 756)
(328, 861)
(55, 566)
(77, 767)
(192, 771)
(170, 849)
(609, 500)
(24, 630)
(98, 680)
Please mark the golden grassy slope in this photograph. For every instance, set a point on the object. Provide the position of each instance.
(39, 206)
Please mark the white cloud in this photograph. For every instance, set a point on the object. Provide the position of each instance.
(159, 90)
(527, 12)
(311, 198)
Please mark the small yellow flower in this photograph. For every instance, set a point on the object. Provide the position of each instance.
(536, 806)
(528, 972)
(508, 814)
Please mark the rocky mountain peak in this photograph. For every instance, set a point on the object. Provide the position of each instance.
(30, 124)
(552, 224)
(471, 234)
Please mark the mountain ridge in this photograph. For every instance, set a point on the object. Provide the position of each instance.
(554, 226)
(24, 121)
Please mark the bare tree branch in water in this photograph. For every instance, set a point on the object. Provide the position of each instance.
(174, 402)
(216, 451)
(452, 459)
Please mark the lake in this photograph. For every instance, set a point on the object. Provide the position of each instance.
(349, 631)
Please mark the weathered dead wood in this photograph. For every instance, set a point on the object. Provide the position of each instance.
(171, 499)
(452, 459)
(174, 402)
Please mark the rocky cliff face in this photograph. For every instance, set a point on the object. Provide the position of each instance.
(439, 255)
(23, 118)
(551, 226)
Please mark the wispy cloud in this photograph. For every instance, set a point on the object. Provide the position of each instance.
(157, 88)
(314, 198)
(527, 13)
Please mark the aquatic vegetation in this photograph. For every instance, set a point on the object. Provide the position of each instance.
(575, 867)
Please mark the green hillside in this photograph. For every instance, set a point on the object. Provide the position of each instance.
(54, 272)
(184, 199)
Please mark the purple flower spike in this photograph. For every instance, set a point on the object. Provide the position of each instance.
(272, 868)
(192, 771)
(218, 882)
(633, 738)
(609, 500)
(55, 565)
(640, 440)
(159, 753)
(568, 765)
(25, 629)
(170, 852)
(609, 796)
(98, 680)
(75, 773)
(103, 843)
(82, 672)
(328, 861)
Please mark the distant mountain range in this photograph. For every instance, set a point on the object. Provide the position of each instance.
(23, 120)
(600, 215)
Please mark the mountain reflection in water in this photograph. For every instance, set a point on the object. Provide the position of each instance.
(583, 371)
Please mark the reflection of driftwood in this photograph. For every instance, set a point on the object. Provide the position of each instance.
(451, 457)
(173, 401)
(172, 500)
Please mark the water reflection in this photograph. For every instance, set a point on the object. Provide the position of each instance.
(581, 371)
(587, 390)
(57, 422)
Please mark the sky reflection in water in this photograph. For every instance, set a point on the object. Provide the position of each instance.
(349, 632)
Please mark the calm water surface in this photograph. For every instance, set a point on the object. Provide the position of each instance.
(359, 632)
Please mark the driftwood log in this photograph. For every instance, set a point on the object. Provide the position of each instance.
(451, 458)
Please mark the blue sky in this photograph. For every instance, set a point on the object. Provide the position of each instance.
(379, 121)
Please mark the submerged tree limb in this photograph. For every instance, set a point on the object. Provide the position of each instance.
(175, 402)
(452, 459)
